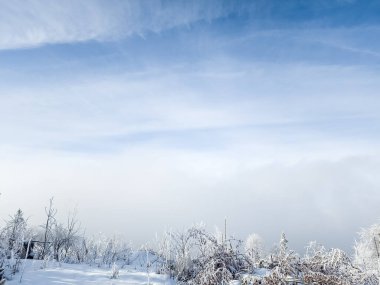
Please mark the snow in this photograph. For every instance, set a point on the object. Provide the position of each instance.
(83, 274)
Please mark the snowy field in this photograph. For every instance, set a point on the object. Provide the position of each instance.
(83, 274)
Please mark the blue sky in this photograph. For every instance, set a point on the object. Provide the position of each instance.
(177, 112)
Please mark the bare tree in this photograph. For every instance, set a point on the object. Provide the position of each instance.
(63, 237)
(72, 230)
(50, 220)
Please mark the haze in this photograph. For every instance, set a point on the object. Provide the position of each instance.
(149, 115)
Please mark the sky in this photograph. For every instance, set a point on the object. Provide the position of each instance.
(154, 115)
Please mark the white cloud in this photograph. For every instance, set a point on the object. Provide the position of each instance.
(32, 23)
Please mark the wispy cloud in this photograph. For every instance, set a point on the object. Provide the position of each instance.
(325, 102)
(33, 23)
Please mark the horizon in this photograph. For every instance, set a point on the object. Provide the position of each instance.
(149, 115)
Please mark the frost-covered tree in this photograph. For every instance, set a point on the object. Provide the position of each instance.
(58, 239)
(198, 257)
(284, 262)
(213, 261)
(215, 271)
(101, 250)
(14, 235)
(180, 252)
(15, 230)
(254, 249)
(71, 233)
(110, 252)
(333, 266)
(367, 248)
(78, 251)
(96, 246)
(166, 253)
(316, 257)
(114, 271)
(283, 245)
(63, 237)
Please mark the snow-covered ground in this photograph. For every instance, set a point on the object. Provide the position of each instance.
(84, 274)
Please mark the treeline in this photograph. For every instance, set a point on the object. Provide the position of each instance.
(198, 257)
(192, 256)
(63, 242)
